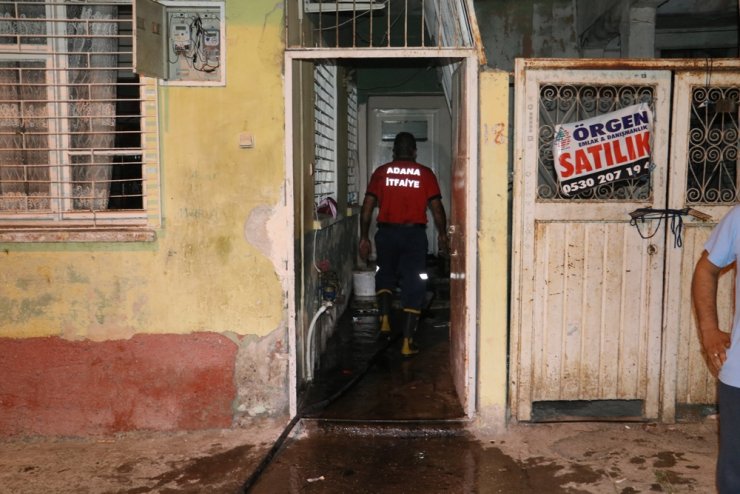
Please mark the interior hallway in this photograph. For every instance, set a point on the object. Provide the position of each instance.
(363, 377)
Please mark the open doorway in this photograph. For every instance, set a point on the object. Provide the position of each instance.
(434, 98)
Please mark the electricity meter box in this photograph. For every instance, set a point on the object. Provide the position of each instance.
(180, 42)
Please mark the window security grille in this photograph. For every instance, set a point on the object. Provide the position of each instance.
(381, 24)
(325, 132)
(714, 146)
(72, 115)
(570, 103)
(353, 147)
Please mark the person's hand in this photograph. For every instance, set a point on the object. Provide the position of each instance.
(364, 248)
(443, 245)
(715, 344)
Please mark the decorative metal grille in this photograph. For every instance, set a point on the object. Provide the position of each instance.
(713, 146)
(71, 137)
(571, 103)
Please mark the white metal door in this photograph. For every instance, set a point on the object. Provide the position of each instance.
(587, 288)
(704, 176)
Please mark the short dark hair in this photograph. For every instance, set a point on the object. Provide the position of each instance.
(404, 145)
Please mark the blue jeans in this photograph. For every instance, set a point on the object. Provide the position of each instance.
(728, 461)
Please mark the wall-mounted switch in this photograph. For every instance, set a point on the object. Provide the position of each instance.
(246, 140)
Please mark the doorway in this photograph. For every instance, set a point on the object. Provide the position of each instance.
(315, 240)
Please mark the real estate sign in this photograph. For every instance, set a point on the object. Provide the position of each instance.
(604, 149)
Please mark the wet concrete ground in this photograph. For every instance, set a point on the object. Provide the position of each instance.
(385, 458)
(544, 458)
(210, 461)
(342, 456)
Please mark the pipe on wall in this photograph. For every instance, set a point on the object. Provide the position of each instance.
(311, 329)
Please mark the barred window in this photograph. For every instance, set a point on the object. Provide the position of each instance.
(566, 103)
(325, 132)
(77, 125)
(353, 146)
(713, 177)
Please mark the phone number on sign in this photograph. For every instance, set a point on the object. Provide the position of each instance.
(631, 171)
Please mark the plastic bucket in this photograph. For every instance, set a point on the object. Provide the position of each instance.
(364, 283)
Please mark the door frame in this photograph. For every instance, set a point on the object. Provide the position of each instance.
(469, 59)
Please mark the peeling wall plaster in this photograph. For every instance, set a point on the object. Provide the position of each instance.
(261, 376)
(267, 229)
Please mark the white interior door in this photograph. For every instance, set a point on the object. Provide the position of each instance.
(587, 287)
(705, 177)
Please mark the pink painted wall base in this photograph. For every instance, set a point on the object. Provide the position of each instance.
(51, 386)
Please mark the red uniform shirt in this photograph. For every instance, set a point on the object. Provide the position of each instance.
(403, 189)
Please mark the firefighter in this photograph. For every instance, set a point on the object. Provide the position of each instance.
(402, 190)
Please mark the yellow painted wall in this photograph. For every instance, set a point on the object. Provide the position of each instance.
(218, 261)
(493, 241)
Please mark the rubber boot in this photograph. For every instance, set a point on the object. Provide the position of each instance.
(385, 298)
(408, 348)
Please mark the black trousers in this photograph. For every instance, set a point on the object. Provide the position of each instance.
(728, 461)
(401, 256)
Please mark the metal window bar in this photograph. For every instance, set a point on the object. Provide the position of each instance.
(712, 173)
(325, 128)
(71, 112)
(381, 24)
(353, 146)
(567, 103)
